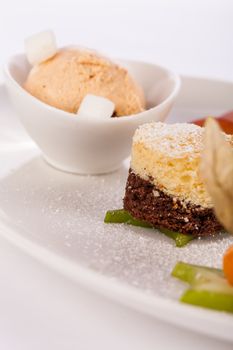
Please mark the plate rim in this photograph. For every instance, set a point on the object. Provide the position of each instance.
(164, 309)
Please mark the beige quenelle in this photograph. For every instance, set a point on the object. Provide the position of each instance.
(65, 79)
(169, 155)
(217, 172)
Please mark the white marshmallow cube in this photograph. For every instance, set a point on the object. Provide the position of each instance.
(96, 107)
(40, 47)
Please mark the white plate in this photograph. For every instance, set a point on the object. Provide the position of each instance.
(58, 219)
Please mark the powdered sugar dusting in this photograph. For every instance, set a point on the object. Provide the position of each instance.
(175, 140)
(65, 213)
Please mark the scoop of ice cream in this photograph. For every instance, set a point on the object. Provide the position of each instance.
(64, 80)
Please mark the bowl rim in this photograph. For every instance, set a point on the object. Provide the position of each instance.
(138, 117)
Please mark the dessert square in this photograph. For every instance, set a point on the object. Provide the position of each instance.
(164, 186)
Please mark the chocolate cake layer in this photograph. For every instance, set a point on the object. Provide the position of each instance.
(146, 202)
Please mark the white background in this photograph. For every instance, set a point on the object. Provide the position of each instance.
(192, 37)
(38, 308)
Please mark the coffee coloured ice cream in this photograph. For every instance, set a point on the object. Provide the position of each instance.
(65, 79)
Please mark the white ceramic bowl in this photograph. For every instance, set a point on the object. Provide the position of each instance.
(82, 146)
